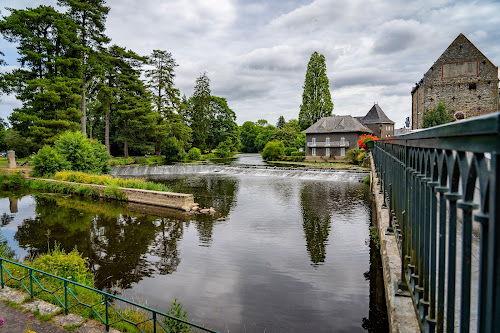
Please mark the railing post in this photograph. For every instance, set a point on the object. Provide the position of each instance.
(31, 282)
(154, 322)
(65, 297)
(107, 314)
(1, 273)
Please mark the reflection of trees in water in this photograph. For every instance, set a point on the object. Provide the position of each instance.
(320, 203)
(218, 192)
(316, 220)
(5, 219)
(165, 245)
(119, 249)
(116, 244)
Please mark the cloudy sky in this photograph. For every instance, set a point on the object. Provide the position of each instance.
(256, 52)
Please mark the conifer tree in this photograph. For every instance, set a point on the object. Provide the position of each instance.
(316, 99)
(281, 122)
(200, 112)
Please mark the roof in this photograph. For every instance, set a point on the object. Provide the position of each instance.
(337, 124)
(376, 116)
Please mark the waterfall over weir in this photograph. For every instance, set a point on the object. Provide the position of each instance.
(257, 171)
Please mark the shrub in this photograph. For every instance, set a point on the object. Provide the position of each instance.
(223, 150)
(351, 156)
(210, 156)
(298, 153)
(82, 153)
(194, 154)
(48, 161)
(290, 150)
(5, 251)
(175, 310)
(173, 149)
(273, 150)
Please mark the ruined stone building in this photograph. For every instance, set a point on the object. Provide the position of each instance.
(463, 77)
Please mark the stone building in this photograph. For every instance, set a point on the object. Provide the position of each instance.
(330, 137)
(378, 122)
(463, 77)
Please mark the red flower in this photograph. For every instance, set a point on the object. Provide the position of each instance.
(364, 139)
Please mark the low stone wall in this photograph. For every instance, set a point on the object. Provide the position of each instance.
(400, 310)
(157, 198)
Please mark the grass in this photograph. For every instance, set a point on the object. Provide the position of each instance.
(85, 178)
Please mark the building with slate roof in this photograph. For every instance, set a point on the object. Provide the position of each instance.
(463, 78)
(378, 122)
(330, 137)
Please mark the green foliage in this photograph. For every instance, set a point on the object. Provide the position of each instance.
(5, 251)
(194, 154)
(281, 122)
(300, 141)
(82, 153)
(374, 236)
(351, 156)
(21, 145)
(222, 123)
(173, 149)
(290, 150)
(198, 113)
(298, 153)
(224, 149)
(316, 99)
(10, 182)
(366, 180)
(175, 310)
(273, 150)
(248, 133)
(437, 116)
(265, 135)
(48, 161)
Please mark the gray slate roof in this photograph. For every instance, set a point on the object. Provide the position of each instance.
(337, 124)
(376, 116)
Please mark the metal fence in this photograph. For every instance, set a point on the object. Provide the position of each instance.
(440, 186)
(103, 306)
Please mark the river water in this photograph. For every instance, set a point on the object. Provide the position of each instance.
(283, 254)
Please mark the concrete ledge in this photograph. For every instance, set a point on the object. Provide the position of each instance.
(400, 310)
(157, 198)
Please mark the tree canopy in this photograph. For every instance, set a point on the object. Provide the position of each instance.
(437, 116)
(316, 99)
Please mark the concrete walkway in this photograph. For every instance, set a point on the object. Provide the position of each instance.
(17, 319)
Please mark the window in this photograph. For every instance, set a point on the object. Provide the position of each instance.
(314, 141)
(342, 141)
(342, 151)
(327, 152)
(313, 152)
(328, 141)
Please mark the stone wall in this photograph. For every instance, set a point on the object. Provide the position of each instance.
(463, 77)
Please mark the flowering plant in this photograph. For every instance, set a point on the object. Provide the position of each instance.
(364, 139)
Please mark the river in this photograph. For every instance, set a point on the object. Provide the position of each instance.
(283, 254)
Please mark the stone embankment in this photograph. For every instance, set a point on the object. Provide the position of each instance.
(179, 201)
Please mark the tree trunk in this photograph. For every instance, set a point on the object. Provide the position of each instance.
(83, 106)
(106, 130)
(125, 149)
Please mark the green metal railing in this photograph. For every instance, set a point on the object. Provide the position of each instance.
(438, 184)
(64, 294)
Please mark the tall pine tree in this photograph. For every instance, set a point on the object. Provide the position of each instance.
(200, 111)
(166, 97)
(316, 99)
(90, 18)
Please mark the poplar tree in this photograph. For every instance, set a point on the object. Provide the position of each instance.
(316, 99)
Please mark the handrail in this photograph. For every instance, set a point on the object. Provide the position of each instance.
(439, 183)
(108, 298)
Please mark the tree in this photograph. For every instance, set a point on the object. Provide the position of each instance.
(48, 82)
(273, 150)
(265, 135)
(90, 18)
(222, 123)
(437, 116)
(286, 134)
(281, 122)
(316, 99)
(248, 134)
(200, 111)
(166, 97)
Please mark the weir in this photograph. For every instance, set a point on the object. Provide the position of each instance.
(258, 171)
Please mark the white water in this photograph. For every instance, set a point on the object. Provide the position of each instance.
(257, 171)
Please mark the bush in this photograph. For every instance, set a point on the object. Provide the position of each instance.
(194, 154)
(299, 153)
(273, 150)
(175, 310)
(173, 149)
(351, 156)
(48, 161)
(290, 150)
(82, 153)
(223, 150)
